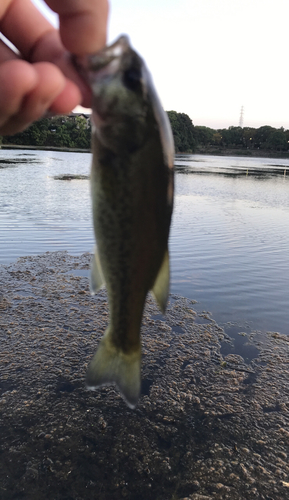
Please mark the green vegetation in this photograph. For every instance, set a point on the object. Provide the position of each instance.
(265, 138)
(73, 131)
(183, 132)
(61, 131)
(189, 138)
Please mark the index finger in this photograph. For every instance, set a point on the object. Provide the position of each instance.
(83, 24)
(23, 25)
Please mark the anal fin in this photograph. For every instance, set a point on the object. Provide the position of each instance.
(96, 274)
(162, 283)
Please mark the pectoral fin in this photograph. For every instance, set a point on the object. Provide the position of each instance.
(161, 285)
(96, 274)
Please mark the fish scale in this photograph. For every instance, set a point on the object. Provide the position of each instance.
(132, 199)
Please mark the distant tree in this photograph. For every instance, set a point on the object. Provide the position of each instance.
(217, 138)
(81, 133)
(58, 131)
(249, 136)
(277, 140)
(35, 135)
(183, 132)
(204, 135)
(233, 136)
(74, 132)
(262, 136)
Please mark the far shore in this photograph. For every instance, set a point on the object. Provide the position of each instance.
(253, 153)
(213, 151)
(45, 148)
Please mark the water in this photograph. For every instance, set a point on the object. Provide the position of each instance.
(39, 213)
(229, 239)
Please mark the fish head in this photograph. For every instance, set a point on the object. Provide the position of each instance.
(120, 82)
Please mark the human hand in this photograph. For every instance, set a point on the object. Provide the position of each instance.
(42, 77)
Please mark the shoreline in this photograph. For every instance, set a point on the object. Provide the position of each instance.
(207, 425)
(45, 148)
(248, 153)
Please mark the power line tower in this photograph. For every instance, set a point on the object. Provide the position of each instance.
(241, 119)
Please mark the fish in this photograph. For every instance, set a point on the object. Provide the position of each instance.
(132, 188)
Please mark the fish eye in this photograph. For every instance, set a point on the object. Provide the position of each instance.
(132, 78)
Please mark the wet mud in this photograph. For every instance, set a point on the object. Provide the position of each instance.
(210, 424)
(10, 162)
(70, 177)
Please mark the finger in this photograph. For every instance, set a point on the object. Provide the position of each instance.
(49, 48)
(67, 100)
(25, 104)
(53, 92)
(6, 54)
(38, 41)
(17, 78)
(23, 25)
(83, 24)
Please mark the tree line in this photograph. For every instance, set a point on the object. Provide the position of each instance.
(264, 138)
(189, 137)
(74, 131)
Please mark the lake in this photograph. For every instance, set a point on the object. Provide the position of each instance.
(229, 239)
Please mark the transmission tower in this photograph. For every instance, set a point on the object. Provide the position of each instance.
(241, 120)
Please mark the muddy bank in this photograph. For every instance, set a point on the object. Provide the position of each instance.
(45, 148)
(206, 427)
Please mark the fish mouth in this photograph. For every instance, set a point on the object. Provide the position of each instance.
(103, 58)
(104, 63)
(103, 72)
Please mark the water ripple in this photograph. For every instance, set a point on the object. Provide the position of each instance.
(229, 239)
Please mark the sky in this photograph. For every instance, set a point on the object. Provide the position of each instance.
(208, 58)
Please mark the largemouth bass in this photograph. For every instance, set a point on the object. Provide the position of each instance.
(132, 199)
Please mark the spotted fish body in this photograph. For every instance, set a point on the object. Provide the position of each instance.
(132, 198)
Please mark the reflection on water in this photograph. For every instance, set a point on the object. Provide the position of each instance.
(240, 345)
(38, 213)
(17, 160)
(70, 177)
(229, 239)
(231, 165)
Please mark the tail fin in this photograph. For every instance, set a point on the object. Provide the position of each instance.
(110, 364)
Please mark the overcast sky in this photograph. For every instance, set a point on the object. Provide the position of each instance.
(210, 57)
